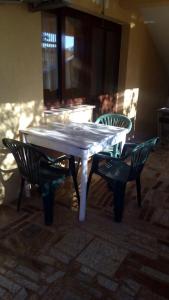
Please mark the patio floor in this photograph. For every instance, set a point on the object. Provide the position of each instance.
(96, 259)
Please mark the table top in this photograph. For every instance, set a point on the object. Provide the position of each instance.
(81, 135)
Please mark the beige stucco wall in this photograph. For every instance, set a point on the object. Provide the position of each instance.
(21, 91)
(20, 67)
(142, 72)
(146, 72)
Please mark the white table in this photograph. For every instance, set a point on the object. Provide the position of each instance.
(78, 139)
(75, 113)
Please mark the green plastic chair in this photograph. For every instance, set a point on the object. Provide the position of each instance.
(117, 120)
(118, 171)
(38, 169)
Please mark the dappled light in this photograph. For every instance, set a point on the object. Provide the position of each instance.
(130, 102)
(7, 169)
(14, 117)
(130, 106)
(127, 104)
(132, 25)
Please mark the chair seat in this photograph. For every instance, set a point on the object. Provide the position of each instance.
(114, 170)
(53, 170)
(53, 173)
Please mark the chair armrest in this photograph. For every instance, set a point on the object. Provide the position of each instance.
(58, 159)
(50, 159)
(102, 155)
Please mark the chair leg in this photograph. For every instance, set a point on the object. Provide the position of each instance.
(76, 187)
(119, 192)
(89, 181)
(74, 176)
(20, 193)
(47, 191)
(78, 165)
(138, 186)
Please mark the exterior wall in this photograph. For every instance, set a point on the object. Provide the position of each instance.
(146, 72)
(20, 81)
(143, 79)
(21, 68)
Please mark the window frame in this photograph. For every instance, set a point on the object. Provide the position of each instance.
(90, 21)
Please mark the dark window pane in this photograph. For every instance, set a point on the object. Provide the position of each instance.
(97, 61)
(75, 56)
(112, 53)
(49, 55)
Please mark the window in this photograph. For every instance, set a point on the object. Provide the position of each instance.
(80, 55)
(50, 56)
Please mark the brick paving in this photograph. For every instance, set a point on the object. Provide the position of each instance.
(96, 259)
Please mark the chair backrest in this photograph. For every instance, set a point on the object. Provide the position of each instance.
(27, 157)
(115, 120)
(140, 154)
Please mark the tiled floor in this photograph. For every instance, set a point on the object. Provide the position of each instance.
(96, 259)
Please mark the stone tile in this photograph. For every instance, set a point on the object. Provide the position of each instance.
(28, 272)
(23, 281)
(69, 295)
(46, 270)
(163, 250)
(42, 290)
(58, 254)
(46, 259)
(103, 257)
(10, 262)
(84, 277)
(8, 296)
(8, 215)
(130, 287)
(22, 295)
(96, 293)
(56, 292)
(146, 294)
(121, 295)
(123, 235)
(3, 270)
(161, 216)
(2, 293)
(74, 242)
(156, 274)
(107, 283)
(55, 276)
(33, 297)
(9, 285)
(88, 271)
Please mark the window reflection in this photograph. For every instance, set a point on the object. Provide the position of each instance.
(48, 40)
(74, 54)
(49, 54)
(69, 48)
